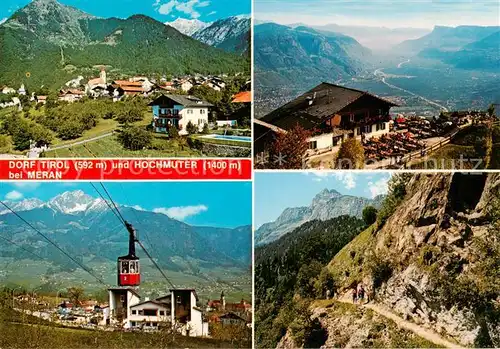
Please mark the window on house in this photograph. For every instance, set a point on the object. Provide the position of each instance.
(133, 323)
(162, 312)
(336, 140)
(203, 111)
(154, 324)
(134, 312)
(150, 312)
(190, 111)
(381, 126)
(358, 130)
(141, 312)
(351, 118)
(313, 145)
(367, 129)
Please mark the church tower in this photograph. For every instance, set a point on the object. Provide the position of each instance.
(223, 301)
(103, 76)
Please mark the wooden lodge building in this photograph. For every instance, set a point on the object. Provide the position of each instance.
(332, 113)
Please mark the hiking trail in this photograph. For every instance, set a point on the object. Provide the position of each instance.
(404, 324)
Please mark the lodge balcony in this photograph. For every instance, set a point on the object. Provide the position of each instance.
(169, 115)
(349, 124)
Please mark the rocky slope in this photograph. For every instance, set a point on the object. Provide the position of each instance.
(436, 259)
(303, 57)
(326, 205)
(230, 34)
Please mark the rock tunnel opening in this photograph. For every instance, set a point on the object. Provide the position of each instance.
(466, 191)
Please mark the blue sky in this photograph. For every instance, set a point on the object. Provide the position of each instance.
(380, 13)
(162, 10)
(217, 204)
(276, 191)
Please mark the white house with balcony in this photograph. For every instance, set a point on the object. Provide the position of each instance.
(177, 111)
(178, 309)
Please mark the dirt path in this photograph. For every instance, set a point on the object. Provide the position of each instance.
(401, 323)
(81, 142)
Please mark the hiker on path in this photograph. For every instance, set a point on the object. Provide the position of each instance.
(361, 294)
(328, 293)
(354, 295)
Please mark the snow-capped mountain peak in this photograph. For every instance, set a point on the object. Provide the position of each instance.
(188, 26)
(71, 202)
(224, 30)
(24, 205)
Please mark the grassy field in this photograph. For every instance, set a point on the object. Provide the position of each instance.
(104, 126)
(110, 147)
(23, 335)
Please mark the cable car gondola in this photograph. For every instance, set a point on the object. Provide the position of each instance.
(129, 266)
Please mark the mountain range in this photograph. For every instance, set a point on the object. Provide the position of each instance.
(326, 205)
(302, 55)
(374, 38)
(447, 38)
(231, 34)
(87, 229)
(481, 54)
(55, 43)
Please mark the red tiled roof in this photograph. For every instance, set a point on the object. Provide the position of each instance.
(132, 89)
(123, 83)
(243, 97)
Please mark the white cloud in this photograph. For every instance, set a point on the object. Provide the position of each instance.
(347, 179)
(378, 188)
(14, 195)
(182, 212)
(3, 20)
(188, 7)
(27, 185)
(318, 176)
(165, 9)
(212, 13)
(138, 208)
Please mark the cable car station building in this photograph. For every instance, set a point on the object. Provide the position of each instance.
(126, 309)
(177, 309)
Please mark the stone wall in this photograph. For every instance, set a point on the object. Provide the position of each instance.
(223, 151)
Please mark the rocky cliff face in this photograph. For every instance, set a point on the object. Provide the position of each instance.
(433, 262)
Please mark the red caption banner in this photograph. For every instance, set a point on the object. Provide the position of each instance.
(126, 169)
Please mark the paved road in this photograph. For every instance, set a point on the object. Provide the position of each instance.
(380, 74)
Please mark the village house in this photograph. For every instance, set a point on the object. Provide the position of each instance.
(41, 100)
(184, 85)
(332, 113)
(71, 95)
(232, 319)
(177, 111)
(8, 90)
(22, 90)
(177, 309)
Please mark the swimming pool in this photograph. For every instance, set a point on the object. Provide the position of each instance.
(230, 138)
